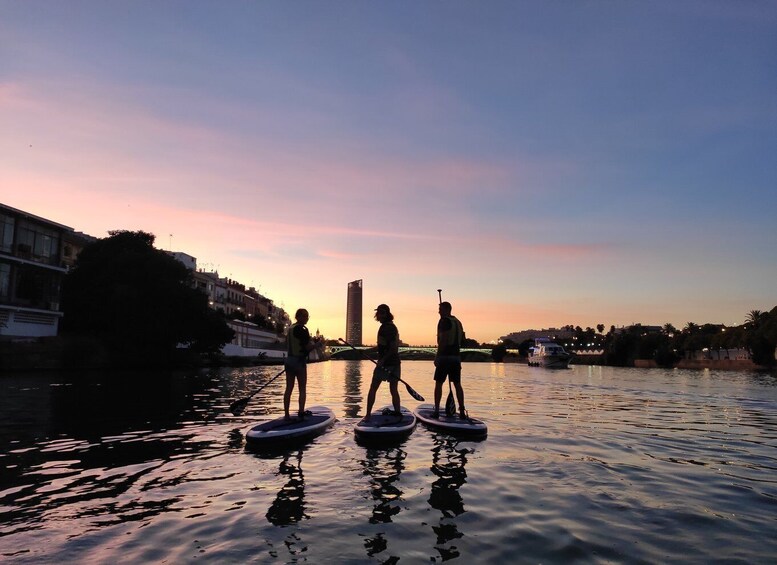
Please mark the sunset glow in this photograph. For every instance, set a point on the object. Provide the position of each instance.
(543, 164)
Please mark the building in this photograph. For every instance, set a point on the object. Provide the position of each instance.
(353, 313)
(550, 333)
(187, 260)
(31, 272)
(251, 341)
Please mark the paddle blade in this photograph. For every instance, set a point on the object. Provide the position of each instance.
(450, 405)
(413, 393)
(239, 405)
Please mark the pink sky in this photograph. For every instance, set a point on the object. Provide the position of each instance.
(535, 192)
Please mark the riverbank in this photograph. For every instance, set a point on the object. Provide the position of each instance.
(86, 353)
(80, 353)
(716, 364)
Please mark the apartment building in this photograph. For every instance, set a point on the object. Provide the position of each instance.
(31, 271)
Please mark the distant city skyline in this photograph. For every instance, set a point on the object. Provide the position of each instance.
(544, 164)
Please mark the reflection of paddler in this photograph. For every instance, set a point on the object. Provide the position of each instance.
(384, 467)
(289, 505)
(448, 465)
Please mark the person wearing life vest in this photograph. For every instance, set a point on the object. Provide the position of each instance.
(388, 364)
(447, 361)
(298, 345)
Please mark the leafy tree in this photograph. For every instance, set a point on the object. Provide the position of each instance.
(470, 343)
(524, 346)
(237, 315)
(139, 301)
(600, 328)
(498, 352)
(762, 339)
(656, 346)
(664, 354)
(622, 349)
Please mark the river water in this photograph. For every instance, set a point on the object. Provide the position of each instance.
(587, 465)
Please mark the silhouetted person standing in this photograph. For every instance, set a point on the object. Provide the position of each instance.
(298, 345)
(388, 368)
(447, 361)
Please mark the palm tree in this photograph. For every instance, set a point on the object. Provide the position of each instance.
(690, 328)
(669, 329)
(753, 317)
(600, 328)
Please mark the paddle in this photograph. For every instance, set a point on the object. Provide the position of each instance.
(450, 403)
(410, 390)
(240, 404)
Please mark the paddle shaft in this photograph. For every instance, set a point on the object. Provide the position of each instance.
(243, 401)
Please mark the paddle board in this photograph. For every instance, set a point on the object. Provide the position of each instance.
(455, 425)
(385, 426)
(280, 431)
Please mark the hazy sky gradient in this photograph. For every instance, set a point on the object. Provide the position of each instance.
(544, 163)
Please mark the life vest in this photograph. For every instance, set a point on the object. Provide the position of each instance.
(294, 346)
(455, 335)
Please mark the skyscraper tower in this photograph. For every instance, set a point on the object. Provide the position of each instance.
(353, 313)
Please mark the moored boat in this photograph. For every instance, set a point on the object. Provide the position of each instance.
(548, 354)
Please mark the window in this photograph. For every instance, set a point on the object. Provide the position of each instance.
(5, 280)
(37, 288)
(37, 243)
(6, 232)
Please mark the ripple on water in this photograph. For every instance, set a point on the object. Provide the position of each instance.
(601, 465)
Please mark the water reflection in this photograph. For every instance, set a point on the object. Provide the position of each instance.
(97, 481)
(683, 461)
(289, 504)
(448, 462)
(384, 467)
(353, 395)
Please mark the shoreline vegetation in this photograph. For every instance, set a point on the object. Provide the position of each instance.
(68, 353)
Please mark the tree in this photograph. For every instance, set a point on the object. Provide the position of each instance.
(600, 328)
(762, 339)
(622, 349)
(498, 352)
(753, 317)
(470, 343)
(138, 301)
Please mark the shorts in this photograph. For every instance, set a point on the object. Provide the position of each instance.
(294, 365)
(448, 366)
(389, 374)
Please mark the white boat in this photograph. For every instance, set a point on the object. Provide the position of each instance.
(550, 355)
(252, 341)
